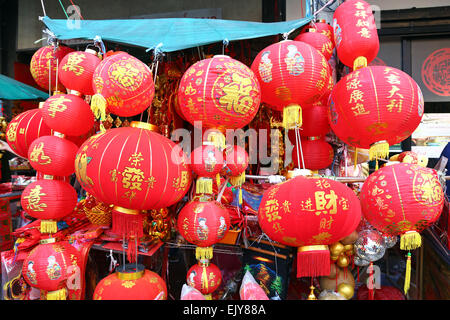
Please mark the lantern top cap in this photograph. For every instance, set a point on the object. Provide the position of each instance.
(144, 125)
(130, 271)
(48, 240)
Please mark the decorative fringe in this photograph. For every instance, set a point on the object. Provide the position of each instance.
(314, 262)
(292, 116)
(360, 62)
(378, 150)
(98, 106)
(127, 224)
(204, 279)
(407, 274)
(410, 240)
(60, 294)
(238, 180)
(218, 180)
(218, 140)
(204, 185)
(355, 160)
(49, 226)
(133, 245)
(240, 196)
(203, 253)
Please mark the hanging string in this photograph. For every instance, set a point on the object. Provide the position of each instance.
(76, 8)
(43, 8)
(154, 81)
(297, 132)
(297, 148)
(326, 5)
(64, 9)
(57, 67)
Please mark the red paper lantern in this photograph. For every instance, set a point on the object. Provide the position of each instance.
(24, 129)
(236, 162)
(355, 33)
(122, 84)
(128, 284)
(53, 155)
(292, 75)
(205, 277)
(206, 161)
(317, 40)
(322, 27)
(317, 154)
(315, 122)
(309, 213)
(375, 107)
(77, 69)
(49, 200)
(203, 223)
(67, 114)
(49, 265)
(45, 58)
(220, 92)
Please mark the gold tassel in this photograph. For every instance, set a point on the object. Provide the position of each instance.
(355, 159)
(202, 253)
(60, 294)
(49, 226)
(410, 240)
(98, 106)
(407, 273)
(218, 180)
(292, 116)
(204, 279)
(240, 196)
(218, 140)
(204, 185)
(239, 180)
(379, 150)
(360, 62)
(376, 165)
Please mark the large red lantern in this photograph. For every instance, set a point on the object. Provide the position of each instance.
(44, 63)
(67, 114)
(206, 161)
(49, 200)
(375, 107)
(313, 153)
(49, 265)
(130, 283)
(220, 92)
(53, 155)
(205, 277)
(123, 85)
(317, 40)
(292, 75)
(203, 223)
(24, 129)
(355, 33)
(309, 213)
(76, 71)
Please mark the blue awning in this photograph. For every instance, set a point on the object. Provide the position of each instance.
(11, 89)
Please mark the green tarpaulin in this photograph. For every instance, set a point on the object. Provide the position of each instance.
(11, 89)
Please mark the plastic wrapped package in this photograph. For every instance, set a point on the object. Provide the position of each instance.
(190, 293)
(250, 289)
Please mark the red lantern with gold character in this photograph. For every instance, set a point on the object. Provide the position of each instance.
(53, 155)
(49, 265)
(375, 107)
(324, 212)
(131, 283)
(206, 161)
(317, 40)
(48, 200)
(68, 114)
(314, 154)
(76, 71)
(123, 85)
(292, 75)
(44, 62)
(205, 277)
(355, 33)
(24, 129)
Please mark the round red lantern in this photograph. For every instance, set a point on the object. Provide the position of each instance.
(203, 223)
(315, 122)
(355, 33)
(131, 283)
(67, 114)
(206, 161)
(53, 155)
(77, 69)
(236, 162)
(375, 107)
(292, 75)
(205, 277)
(317, 40)
(313, 153)
(123, 85)
(45, 61)
(24, 129)
(49, 265)
(48, 200)
(322, 27)
(220, 92)
(324, 212)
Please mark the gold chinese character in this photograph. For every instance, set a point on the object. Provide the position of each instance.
(34, 199)
(362, 23)
(393, 78)
(354, 83)
(286, 206)
(361, 13)
(132, 178)
(359, 109)
(322, 184)
(320, 84)
(359, 5)
(135, 159)
(306, 205)
(344, 203)
(326, 203)
(72, 63)
(356, 96)
(237, 95)
(37, 155)
(393, 91)
(377, 191)
(271, 210)
(394, 104)
(125, 75)
(326, 223)
(365, 33)
(277, 227)
(377, 128)
(57, 105)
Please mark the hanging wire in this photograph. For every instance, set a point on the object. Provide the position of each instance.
(62, 6)
(224, 45)
(76, 8)
(297, 133)
(43, 8)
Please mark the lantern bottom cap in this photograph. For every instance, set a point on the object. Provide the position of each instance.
(130, 272)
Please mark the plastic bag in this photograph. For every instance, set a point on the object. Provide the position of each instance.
(190, 293)
(250, 289)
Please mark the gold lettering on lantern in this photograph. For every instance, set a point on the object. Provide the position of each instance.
(362, 23)
(130, 195)
(353, 84)
(57, 105)
(394, 104)
(135, 159)
(326, 223)
(344, 203)
(393, 78)
(377, 128)
(325, 203)
(359, 5)
(286, 206)
(273, 192)
(132, 178)
(379, 202)
(271, 210)
(277, 227)
(361, 13)
(237, 94)
(377, 191)
(356, 96)
(180, 183)
(37, 155)
(322, 184)
(393, 91)
(359, 109)
(320, 84)
(73, 63)
(34, 199)
(125, 75)
(12, 132)
(189, 90)
(365, 33)
(306, 205)
(321, 237)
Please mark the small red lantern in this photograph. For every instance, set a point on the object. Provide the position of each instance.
(317, 40)
(236, 162)
(49, 265)
(130, 283)
(292, 75)
(314, 154)
(77, 69)
(203, 223)
(46, 58)
(49, 200)
(355, 33)
(123, 85)
(375, 107)
(324, 212)
(53, 155)
(321, 27)
(205, 277)
(206, 161)
(67, 114)
(315, 122)
(24, 129)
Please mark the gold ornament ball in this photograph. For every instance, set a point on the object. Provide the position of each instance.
(348, 249)
(343, 261)
(334, 258)
(336, 248)
(346, 290)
